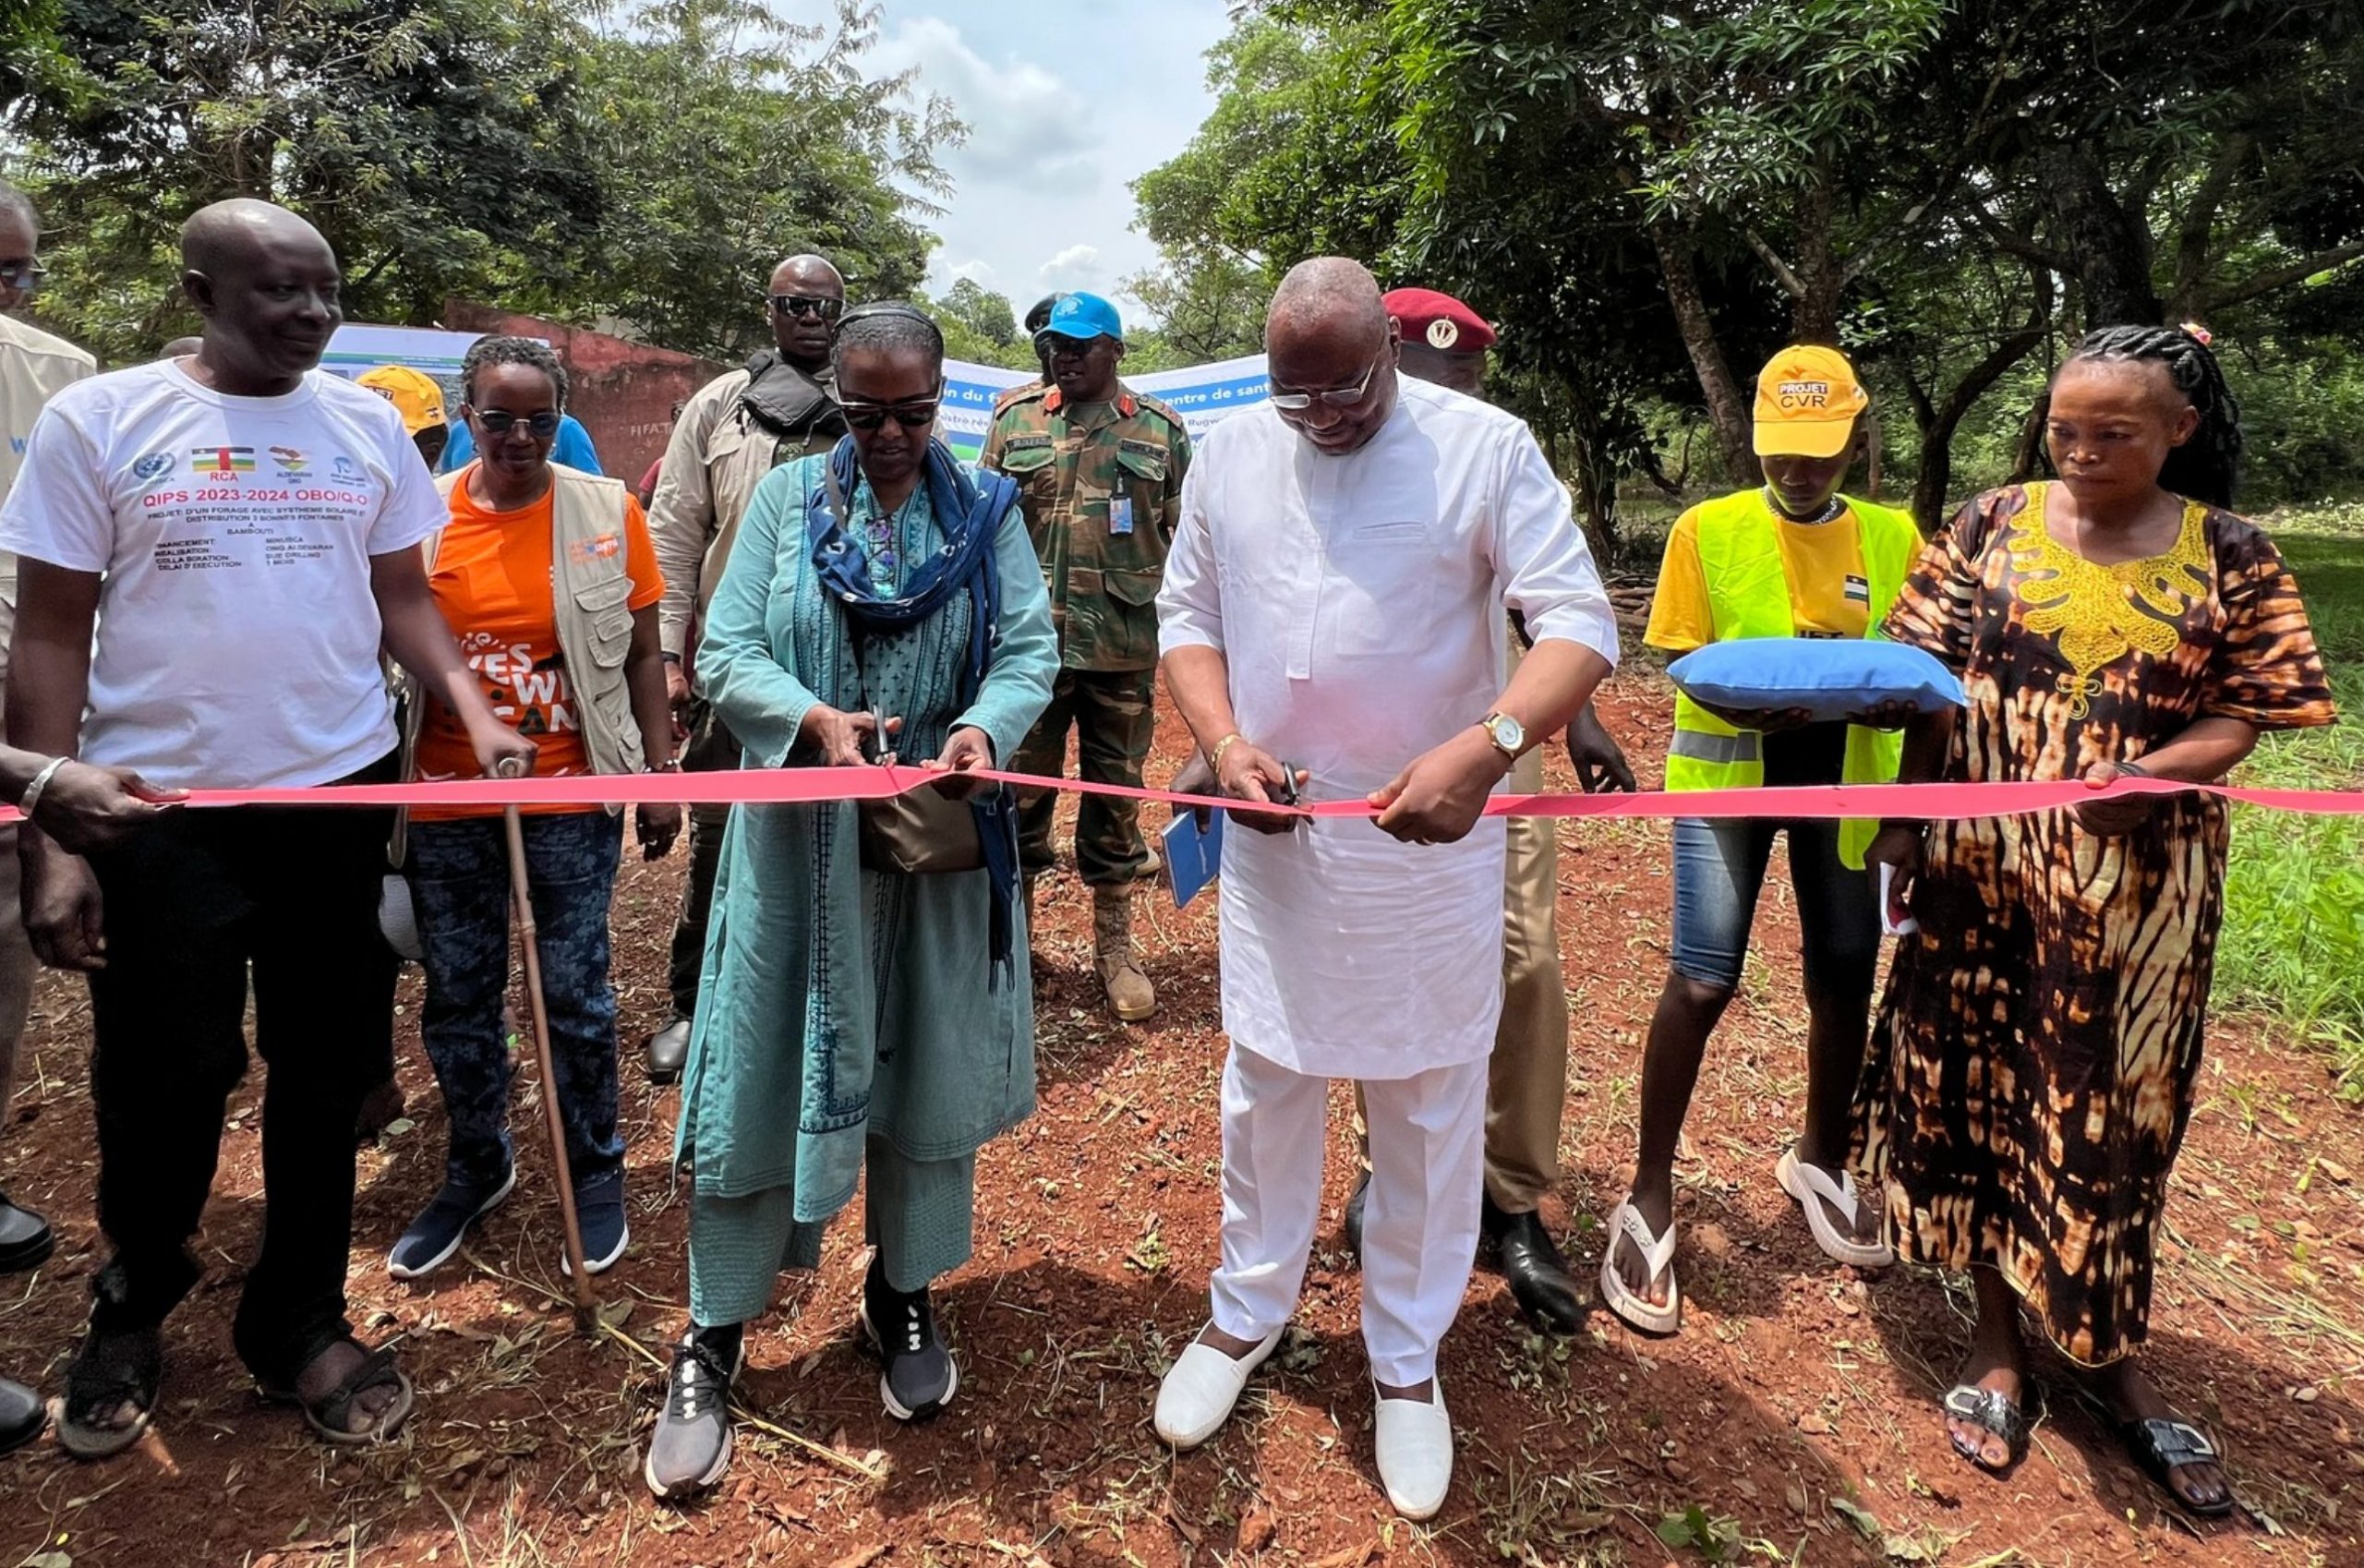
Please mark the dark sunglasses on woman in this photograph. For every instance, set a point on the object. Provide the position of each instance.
(497, 422)
(909, 415)
(808, 304)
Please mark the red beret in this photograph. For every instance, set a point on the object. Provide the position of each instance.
(1439, 321)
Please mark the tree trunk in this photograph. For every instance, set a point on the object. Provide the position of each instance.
(2111, 245)
(1727, 410)
(1813, 318)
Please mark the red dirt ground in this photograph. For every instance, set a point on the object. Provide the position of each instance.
(1795, 1413)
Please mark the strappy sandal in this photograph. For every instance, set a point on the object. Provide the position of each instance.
(2161, 1447)
(114, 1368)
(326, 1414)
(1814, 1187)
(1990, 1410)
(1636, 1311)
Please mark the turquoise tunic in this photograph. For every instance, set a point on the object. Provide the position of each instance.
(839, 1004)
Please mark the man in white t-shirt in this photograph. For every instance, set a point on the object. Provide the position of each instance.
(35, 368)
(239, 533)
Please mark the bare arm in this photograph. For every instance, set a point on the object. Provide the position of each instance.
(652, 709)
(420, 641)
(49, 685)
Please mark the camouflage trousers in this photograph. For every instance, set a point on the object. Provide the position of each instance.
(1112, 714)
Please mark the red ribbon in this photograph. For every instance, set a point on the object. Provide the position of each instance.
(809, 786)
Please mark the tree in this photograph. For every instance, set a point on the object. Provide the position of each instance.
(989, 315)
(425, 138)
(1209, 306)
(1295, 160)
(726, 140)
(2099, 158)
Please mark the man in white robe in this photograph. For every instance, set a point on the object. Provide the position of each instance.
(1334, 597)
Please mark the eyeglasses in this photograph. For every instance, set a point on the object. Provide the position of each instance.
(808, 304)
(909, 415)
(499, 421)
(1336, 397)
(24, 274)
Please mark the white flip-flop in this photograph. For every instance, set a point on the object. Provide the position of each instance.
(1812, 1187)
(1627, 1228)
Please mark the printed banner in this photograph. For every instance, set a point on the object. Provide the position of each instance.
(1202, 396)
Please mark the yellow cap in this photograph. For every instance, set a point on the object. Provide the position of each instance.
(413, 393)
(1806, 403)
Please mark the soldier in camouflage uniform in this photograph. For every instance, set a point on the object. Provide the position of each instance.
(1100, 469)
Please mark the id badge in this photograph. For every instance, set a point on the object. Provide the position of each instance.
(1121, 515)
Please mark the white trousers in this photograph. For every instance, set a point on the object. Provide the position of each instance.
(1428, 1155)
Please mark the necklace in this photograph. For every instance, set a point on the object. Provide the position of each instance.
(1824, 515)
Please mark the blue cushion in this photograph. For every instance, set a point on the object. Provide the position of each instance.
(1815, 679)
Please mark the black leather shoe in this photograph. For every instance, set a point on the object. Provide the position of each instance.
(668, 1051)
(1354, 1217)
(26, 1240)
(22, 1416)
(1530, 1260)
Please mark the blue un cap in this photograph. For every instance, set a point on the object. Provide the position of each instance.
(1083, 316)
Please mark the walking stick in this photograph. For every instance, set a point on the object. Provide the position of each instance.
(586, 1304)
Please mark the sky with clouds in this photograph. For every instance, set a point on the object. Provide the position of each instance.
(1065, 102)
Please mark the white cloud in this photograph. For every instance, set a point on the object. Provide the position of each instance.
(1065, 102)
(1021, 118)
(1076, 267)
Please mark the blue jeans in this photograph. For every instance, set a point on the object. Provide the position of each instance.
(458, 879)
(1719, 871)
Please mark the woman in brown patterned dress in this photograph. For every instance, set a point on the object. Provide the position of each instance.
(2032, 1070)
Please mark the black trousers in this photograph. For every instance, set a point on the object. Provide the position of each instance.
(193, 906)
(711, 750)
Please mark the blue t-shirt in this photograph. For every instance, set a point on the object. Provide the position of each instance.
(573, 448)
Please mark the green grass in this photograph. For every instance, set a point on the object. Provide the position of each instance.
(2294, 894)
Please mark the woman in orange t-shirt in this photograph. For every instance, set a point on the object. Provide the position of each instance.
(589, 686)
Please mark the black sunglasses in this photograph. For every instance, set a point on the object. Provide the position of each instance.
(499, 421)
(808, 304)
(909, 415)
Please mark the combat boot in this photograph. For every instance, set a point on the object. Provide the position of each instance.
(1131, 996)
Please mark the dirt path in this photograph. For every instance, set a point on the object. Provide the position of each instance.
(1793, 1421)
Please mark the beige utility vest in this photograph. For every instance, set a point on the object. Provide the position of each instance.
(590, 593)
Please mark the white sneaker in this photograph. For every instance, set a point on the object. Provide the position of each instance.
(1196, 1398)
(1415, 1443)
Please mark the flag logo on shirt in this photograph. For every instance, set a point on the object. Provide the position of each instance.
(290, 460)
(1858, 591)
(220, 461)
(605, 546)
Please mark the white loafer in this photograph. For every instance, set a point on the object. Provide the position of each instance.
(1196, 1398)
(1812, 1187)
(1415, 1443)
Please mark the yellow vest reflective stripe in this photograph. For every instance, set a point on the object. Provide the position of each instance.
(1748, 594)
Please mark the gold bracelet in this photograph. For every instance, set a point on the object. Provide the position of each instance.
(1215, 761)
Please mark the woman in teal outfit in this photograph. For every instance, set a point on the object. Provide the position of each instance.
(858, 1020)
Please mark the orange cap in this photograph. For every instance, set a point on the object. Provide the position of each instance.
(1806, 403)
(414, 393)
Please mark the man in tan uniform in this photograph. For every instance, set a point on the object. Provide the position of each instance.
(1444, 341)
(34, 367)
(732, 432)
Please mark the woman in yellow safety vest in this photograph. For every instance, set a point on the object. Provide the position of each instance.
(1794, 557)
